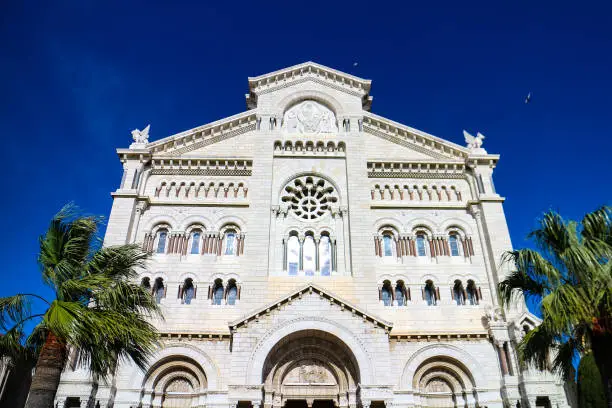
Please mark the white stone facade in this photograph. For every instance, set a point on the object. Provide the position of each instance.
(340, 258)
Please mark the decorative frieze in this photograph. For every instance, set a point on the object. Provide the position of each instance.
(417, 169)
(308, 148)
(201, 166)
(437, 337)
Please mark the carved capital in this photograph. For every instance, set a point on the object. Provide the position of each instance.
(141, 206)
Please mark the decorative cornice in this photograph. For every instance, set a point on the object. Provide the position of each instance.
(194, 166)
(311, 288)
(205, 135)
(417, 169)
(195, 335)
(446, 336)
(414, 139)
(308, 71)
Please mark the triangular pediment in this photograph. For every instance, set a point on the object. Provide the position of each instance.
(309, 289)
(309, 71)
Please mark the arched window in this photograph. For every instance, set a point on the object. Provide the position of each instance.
(472, 293)
(230, 242)
(401, 293)
(309, 253)
(146, 284)
(232, 292)
(420, 240)
(189, 291)
(161, 241)
(159, 290)
(430, 293)
(388, 244)
(218, 292)
(453, 240)
(325, 255)
(458, 293)
(195, 242)
(386, 295)
(293, 255)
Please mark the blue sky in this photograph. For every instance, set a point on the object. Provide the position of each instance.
(78, 76)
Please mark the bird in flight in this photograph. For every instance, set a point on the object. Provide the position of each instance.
(528, 98)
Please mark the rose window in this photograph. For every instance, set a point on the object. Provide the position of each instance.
(309, 197)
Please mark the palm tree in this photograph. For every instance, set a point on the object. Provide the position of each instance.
(570, 279)
(98, 310)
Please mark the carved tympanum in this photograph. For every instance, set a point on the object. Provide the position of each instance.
(309, 117)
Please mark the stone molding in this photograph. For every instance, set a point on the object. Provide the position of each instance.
(325, 294)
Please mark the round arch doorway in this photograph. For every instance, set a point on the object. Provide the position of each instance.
(310, 369)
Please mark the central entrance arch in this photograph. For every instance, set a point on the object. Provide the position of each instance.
(310, 368)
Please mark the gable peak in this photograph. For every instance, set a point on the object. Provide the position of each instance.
(309, 71)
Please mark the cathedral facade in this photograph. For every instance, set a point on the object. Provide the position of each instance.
(307, 252)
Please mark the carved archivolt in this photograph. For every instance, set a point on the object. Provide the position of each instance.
(309, 117)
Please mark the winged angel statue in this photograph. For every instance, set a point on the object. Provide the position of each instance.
(473, 142)
(141, 136)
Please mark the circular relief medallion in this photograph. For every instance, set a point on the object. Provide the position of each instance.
(309, 197)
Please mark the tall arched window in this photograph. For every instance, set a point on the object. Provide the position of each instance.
(453, 241)
(161, 241)
(232, 292)
(293, 255)
(325, 255)
(430, 293)
(472, 293)
(159, 290)
(230, 242)
(400, 293)
(387, 244)
(386, 295)
(195, 242)
(458, 293)
(420, 241)
(188, 291)
(309, 253)
(218, 292)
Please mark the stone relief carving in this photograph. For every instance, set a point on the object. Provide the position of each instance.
(309, 372)
(309, 117)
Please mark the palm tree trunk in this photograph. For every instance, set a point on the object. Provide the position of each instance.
(603, 358)
(47, 374)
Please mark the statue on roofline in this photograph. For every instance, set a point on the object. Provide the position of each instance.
(141, 136)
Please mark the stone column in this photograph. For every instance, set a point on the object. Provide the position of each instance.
(316, 241)
(301, 260)
(502, 358)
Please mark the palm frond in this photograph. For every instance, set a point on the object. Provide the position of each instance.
(565, 354)
(14, 310)
(67, 245)
(535, 347)
(597, 225)
(531, 277)
(120, 261)
(553, 236)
